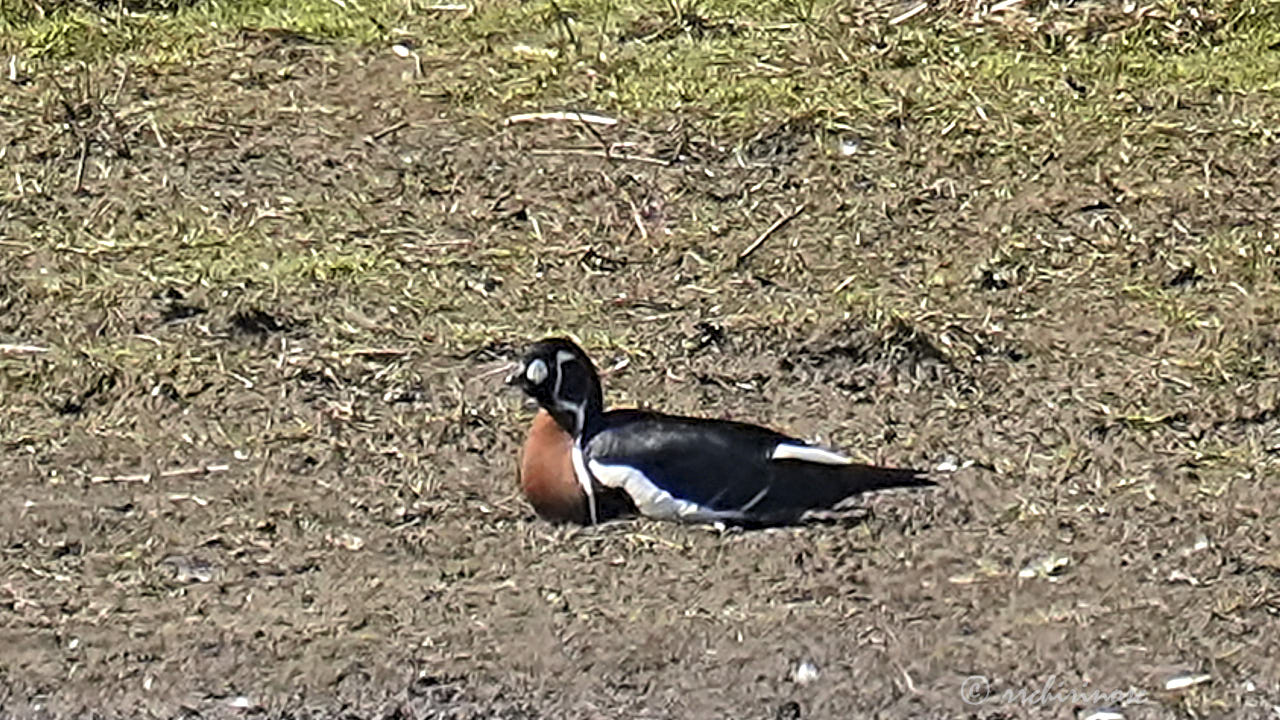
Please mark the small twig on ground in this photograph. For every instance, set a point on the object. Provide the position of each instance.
(179, 497)
(7, 349)
(844, 284)
(124, 77)
(377, 352)
(775, 227)
(84, 155)
(910, 13)
(561, 116)
(155, 130)
(147, 477)
(121, 478)
(388, 130)
(635, 215)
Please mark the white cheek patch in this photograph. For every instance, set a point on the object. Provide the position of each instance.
(808, 453)
(536, 372)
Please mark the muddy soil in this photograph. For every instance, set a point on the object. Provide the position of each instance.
(265, 467)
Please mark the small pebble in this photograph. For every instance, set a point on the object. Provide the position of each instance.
(805, 673)
(349, 541)
(191, 570)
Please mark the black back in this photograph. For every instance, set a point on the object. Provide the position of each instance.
(724, 466)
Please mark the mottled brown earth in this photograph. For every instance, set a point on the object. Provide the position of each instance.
(266, 466)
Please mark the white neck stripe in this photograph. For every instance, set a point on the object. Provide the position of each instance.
(584, 479)
(578, 409)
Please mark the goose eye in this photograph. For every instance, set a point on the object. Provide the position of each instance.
(536, 372)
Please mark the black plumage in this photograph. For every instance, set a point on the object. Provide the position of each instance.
(726, 466)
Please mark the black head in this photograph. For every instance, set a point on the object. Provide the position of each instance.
(562, 379)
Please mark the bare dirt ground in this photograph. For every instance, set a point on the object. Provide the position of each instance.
(265, 467)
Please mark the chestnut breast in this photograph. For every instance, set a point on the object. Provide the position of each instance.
(546, 473)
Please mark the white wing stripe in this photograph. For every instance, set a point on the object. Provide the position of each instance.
(651, 500)
(808, 453)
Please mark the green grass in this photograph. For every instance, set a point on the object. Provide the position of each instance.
(738, 64)
(1103, 92)
(77, 32)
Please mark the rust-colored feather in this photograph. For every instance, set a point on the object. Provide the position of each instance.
(546, 473)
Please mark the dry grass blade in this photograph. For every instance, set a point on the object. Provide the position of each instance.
(9, 349)
(148, 477)
(561, 116)
(914, 11)
(775, 227)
